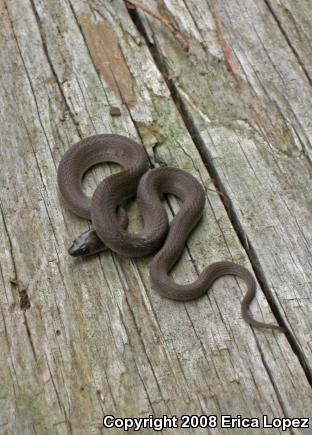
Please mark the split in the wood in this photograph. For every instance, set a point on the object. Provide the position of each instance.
(176, 33)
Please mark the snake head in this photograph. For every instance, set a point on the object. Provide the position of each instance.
(88, 243)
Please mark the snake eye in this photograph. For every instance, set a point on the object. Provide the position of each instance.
(77, 250)
(84, 250)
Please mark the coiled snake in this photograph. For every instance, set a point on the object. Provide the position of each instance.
(109, 219)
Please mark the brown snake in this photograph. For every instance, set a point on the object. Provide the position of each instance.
(109, 219)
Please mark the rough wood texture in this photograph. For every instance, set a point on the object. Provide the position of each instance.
(81, 339)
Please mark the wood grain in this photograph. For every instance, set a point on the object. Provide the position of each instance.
(86, 338)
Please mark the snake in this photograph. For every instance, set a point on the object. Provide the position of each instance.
(105, 209)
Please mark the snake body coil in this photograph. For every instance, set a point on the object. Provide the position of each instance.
(109, 220)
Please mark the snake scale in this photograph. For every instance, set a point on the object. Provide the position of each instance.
(109, 219)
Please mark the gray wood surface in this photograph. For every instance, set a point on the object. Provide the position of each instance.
(81, 339)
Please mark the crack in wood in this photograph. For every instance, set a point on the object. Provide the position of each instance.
(30, 337)
(50, 63)
(275, 387)
(225, 199)
(59, 400)
(29, 81)
(228, 56)
(291, 46)
(174, 30)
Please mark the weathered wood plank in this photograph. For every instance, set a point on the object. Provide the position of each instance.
(86, 338)
(250, 104)
(294, 21)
